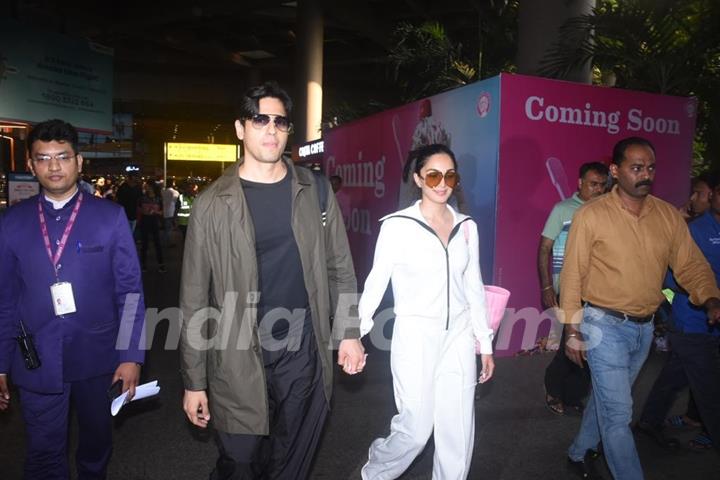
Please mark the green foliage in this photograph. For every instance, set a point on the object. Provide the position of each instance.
(662, 46)
(425, 61)
(498, 36)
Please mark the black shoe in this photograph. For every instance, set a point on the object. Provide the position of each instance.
(584, 468)
(656, 433)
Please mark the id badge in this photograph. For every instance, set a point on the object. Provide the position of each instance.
(62, 298)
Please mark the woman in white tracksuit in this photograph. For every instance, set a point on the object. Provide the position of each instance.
(431, 254)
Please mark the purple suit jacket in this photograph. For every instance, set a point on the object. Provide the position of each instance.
(100, 261)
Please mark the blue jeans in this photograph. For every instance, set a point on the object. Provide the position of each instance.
(616, 352)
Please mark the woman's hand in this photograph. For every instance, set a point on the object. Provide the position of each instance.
(352, 356)
(488, 367)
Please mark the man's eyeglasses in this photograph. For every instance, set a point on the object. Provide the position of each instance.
(261, 120)
(434, 177)
(60, 157)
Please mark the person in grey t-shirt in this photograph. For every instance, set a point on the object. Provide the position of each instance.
(566, 384)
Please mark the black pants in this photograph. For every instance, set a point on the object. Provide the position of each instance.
(150, 225)
(297, 408)
(692, 410)
(694, 361)
(566, 380)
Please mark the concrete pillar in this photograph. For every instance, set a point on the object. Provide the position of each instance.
(538, 24)
(310, 55)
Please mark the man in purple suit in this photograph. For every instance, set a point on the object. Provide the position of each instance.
(71, 281)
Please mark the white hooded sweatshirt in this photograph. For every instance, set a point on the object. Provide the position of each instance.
(438, 286)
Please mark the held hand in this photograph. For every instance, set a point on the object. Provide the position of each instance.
(4, 393)
(351, 356)
(549, 299)
(195, 404)
(129, 372)
(488, 367)
(713, 311)
(575, 346)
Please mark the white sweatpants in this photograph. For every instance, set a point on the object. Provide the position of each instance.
(434, 373)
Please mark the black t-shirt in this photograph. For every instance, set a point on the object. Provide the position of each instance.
(280, 273)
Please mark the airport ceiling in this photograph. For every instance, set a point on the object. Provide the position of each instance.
(217, 45)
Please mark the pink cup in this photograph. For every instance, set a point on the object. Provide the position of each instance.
(496, 299)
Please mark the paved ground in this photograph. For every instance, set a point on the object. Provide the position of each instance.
(517, 437)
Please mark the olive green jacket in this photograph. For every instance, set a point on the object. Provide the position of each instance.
(220, 346)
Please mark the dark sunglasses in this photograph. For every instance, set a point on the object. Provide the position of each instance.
(261, 120)
(434, 177)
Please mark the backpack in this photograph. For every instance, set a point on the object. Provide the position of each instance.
(322, 191)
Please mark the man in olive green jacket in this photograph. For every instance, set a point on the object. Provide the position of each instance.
(257, 251)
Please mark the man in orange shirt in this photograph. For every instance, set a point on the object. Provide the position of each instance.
(619, 249)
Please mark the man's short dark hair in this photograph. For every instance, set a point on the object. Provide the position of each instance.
(621, 146)
(53, 130)
(249, 103)
(597, 167)
(708, 178)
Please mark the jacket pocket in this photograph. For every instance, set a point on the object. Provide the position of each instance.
(90, 248)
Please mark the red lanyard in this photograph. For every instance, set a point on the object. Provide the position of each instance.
(63, 240)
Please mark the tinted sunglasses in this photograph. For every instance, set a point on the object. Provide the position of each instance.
(261, 120)
(434, 177)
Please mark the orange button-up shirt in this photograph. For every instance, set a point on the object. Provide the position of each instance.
(617, 260)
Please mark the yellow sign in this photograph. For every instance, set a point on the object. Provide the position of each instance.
(201, 152)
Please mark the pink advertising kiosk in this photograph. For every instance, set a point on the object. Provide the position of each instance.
(519, 142)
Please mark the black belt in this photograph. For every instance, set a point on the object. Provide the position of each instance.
(621, 315)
